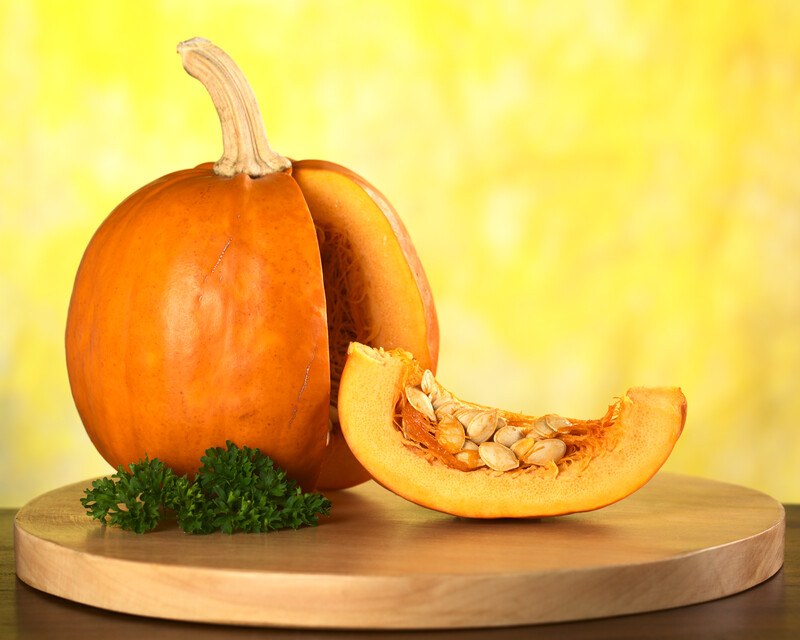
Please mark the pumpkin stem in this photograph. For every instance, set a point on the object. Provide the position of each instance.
(244, 140)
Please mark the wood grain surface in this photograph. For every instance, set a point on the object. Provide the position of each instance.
(380, 562)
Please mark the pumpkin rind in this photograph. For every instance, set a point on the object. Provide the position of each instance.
(649, 423)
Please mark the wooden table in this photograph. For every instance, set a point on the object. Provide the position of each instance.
(770, 610)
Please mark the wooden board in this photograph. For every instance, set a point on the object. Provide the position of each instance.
(383, 563)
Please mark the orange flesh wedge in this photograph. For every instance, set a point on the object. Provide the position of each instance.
(628, 446)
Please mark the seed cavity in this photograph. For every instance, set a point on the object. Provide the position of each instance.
(476, 437)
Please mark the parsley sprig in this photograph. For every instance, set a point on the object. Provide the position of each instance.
(236, 489)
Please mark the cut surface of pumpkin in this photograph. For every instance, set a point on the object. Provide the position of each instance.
(425, 444)
(375, 287)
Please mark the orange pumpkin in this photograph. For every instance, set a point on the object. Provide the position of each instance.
(217, 302)
(425, 444)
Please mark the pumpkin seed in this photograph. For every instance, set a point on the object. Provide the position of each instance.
(466, 414)
(428, 383)
(508, 435)
(523, 447)
(481, 426)
(471, 458)
(469, 445)
(497, 457)
(557, 423)
(445, 408)
(450, 434)
(420, 402)
(541, 452)
(541, 429)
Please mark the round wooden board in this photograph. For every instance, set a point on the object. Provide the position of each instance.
(383, 563)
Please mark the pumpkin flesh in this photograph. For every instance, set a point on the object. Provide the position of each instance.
(624, 448)
(375, 287)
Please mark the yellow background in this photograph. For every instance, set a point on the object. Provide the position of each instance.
(603, 193)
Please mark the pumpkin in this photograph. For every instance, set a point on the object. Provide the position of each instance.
(217, 303)
(422, 442)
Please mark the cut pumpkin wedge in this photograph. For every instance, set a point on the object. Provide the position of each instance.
(411, 444)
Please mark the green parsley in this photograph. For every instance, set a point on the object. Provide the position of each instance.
(236, 489)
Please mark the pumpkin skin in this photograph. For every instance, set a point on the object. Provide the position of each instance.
(648, 423)
(198, 315)
(199, 310)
